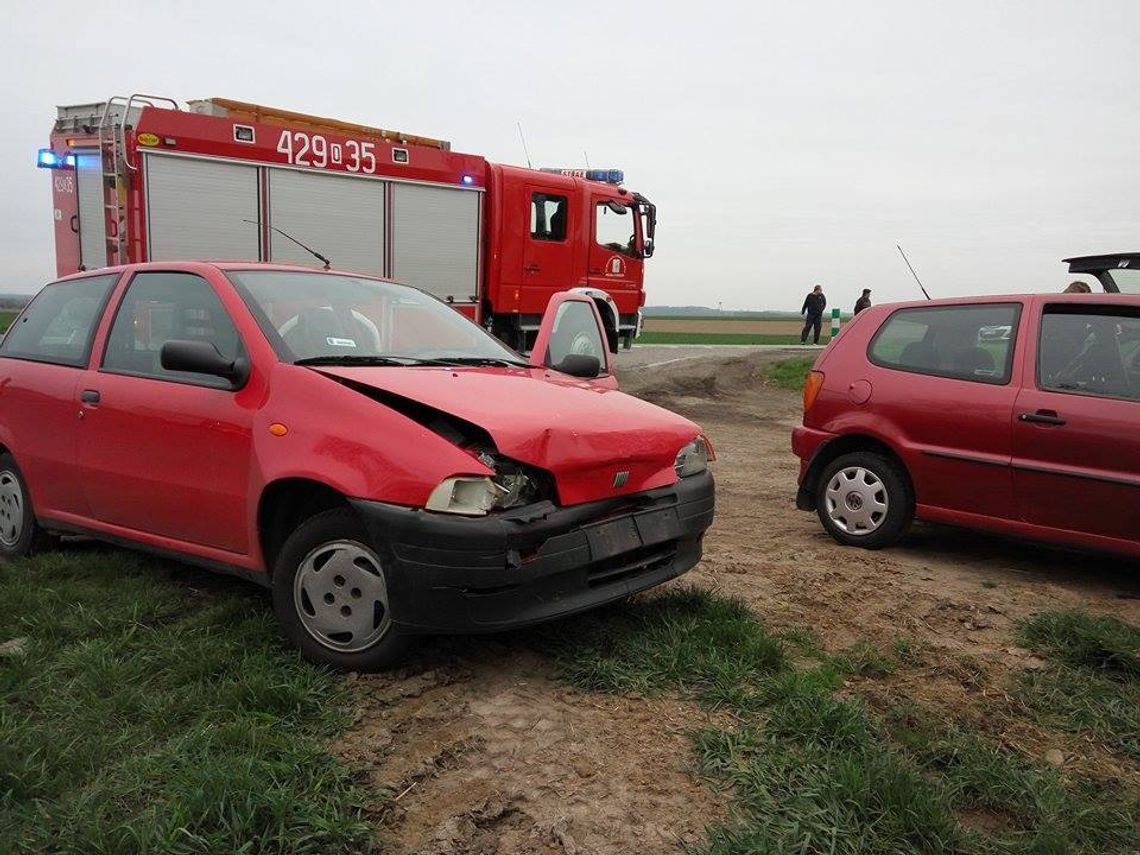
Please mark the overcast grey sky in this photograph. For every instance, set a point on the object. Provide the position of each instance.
(784, 143)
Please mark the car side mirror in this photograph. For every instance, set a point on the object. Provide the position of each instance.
(203, 357)
(580, 365)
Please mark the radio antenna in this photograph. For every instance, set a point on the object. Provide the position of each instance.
(527, 153)
(307, 249)
(585, 155)
(912, 273)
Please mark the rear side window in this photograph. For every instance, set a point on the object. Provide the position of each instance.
(963, 342)
(1090, 350)
(161, 307)
(59, 324)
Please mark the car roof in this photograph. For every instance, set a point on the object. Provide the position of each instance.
(1052, 297)
(195, 266)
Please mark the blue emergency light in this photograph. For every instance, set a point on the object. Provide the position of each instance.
(609, 176)
(48, 159)
(467, 179)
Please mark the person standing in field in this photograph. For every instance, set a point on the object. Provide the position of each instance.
(812, 310)
(863, 302)
(1077, 287)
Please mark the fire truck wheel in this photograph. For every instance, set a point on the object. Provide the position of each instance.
(331, 595)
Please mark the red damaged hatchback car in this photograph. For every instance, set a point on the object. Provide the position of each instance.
(380, 461)
(1016, 414)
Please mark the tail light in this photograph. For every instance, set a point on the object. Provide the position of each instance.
(812, 385)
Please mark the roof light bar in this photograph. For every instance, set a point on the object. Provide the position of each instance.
(609, 176)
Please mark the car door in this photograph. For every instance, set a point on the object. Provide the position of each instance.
(943, 387)
(42, 358)
(548, 259)
(615, 261)
(162, 452)
(572, 328)
(1076, 450)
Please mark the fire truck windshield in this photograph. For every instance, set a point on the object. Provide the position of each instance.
(338, 318)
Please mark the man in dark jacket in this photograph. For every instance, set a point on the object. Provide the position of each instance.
(814, 304)
(863, 302)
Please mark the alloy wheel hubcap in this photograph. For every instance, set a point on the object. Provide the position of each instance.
(857, 500)
(11, 509)
(341, 596)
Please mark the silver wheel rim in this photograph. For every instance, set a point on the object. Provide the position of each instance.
(11, 509)
(341, 596)
(857, 501)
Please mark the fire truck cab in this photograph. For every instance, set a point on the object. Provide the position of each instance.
(143, 178)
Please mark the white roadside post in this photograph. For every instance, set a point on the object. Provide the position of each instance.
(834, 322)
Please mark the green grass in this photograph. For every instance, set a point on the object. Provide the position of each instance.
(814, 771)
(1093, 684)
(155, 710)
(6, 319)
(788, 373)
(649, 337)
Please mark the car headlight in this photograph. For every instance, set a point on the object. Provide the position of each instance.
(474, 495)
(693, 458)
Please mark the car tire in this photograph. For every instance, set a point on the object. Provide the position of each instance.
(849, 494)
(20, 534)
(330, 595)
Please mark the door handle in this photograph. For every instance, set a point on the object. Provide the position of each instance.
(532, 268)
(1043, 417)
(90, 396)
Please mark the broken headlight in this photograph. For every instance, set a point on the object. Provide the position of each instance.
(472, 495)
(693, 458)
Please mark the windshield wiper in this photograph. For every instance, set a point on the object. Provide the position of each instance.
(349, 359)
(474, 360)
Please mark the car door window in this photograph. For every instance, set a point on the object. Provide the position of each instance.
(59, 324)
(614, 228)
(972, 343)
(548, 216)
(575, 330)
(160, 307)
(1090, 350)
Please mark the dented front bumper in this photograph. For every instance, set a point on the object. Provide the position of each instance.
(459, 574)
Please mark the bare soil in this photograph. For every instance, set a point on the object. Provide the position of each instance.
(485, 751)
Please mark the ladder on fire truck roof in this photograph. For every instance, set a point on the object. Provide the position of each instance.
(277, 116)
(116, 163)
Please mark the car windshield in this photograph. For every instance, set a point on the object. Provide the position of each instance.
(332, 318)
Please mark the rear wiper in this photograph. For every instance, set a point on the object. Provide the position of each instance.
(349, 359)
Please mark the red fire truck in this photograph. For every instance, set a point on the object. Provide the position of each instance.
(143, 178)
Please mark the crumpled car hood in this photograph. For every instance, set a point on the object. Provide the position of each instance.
(583, 435)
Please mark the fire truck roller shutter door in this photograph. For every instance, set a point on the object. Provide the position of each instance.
(340, 217)
(92, 214)
(436, 240)
(197, 209)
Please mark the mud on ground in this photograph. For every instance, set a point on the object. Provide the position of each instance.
(477, 748)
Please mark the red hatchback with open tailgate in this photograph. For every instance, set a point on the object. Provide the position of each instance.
(1017, 414)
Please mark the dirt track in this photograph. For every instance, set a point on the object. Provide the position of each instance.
(487, 752)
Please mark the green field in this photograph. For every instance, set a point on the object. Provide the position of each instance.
(648, 337)
(6, 318)
(153, 708)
